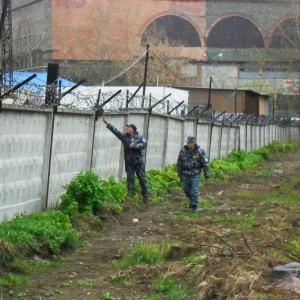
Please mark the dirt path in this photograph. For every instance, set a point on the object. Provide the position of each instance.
(87, 272)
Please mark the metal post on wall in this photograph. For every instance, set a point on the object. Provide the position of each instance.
(220, 133)
(16, 87)
(133, 95)
(170, 111)
(96, 115)
(209, 93)
(246, 132)
(145, 74)
(148, 123)
(237, 133)
(54, 111)
(229, 133)
(55, 104)
(210, 138)
(196, 107)
(235, 102)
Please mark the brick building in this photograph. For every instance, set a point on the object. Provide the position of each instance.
(244, 31)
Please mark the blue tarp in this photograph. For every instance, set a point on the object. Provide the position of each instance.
(40, 79)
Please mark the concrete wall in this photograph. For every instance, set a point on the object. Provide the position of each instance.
(295, 133)
(36, 143)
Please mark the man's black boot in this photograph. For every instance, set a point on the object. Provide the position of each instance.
(193, 208)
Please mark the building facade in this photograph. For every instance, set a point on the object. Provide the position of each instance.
(226, 31)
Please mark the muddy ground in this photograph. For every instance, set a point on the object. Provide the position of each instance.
(232, 259)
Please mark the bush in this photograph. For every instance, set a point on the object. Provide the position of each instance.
(161, 180)
(88, 194)
(49, 231)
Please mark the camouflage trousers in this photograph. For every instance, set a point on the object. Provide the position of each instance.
(139, 170)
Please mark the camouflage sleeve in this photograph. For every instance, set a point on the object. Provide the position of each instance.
(204, 163)
(140, 144)
(115, 131)
(179, 165)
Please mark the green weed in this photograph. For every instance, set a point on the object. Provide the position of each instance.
(203, 204)
(196, 258)
(242, 220)
(106, 296)
(11, 279)
(246, 196)
(88, 194)
(34, 266)
(169, 289)
(145, 253)
(163, 179)
(81, 283)
(51, 230)
(265, 174)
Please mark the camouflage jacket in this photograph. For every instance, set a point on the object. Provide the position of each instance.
(133, 156)
(191, 162)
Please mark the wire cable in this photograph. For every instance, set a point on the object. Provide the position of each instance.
(126, 69)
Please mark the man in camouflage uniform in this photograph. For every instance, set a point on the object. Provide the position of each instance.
(191, 160)
(133, 144)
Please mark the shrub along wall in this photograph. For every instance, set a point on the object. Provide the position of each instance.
(41, 151)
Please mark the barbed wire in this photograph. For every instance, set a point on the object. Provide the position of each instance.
(85, 98)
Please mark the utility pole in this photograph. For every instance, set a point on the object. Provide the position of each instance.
(6, 41)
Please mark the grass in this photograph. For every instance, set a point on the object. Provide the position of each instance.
(168, 289)
(86, 282)
(145, 253)
(245, 196)
(11, 279)
(26, 266)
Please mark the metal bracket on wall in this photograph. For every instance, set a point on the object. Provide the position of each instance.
(15, 88)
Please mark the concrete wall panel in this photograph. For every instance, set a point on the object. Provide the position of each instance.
(242, 137)
(21, 161)
(214, 143)
(224, 141)
(155, 142)
(175, 140)
(203, 136)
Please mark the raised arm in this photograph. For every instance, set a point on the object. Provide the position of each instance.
(113, 129)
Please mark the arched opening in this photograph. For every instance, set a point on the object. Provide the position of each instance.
(24, 45)
(235, 32)
(286, 35)
(171, 30)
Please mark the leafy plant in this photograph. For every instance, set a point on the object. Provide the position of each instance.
(162, 180)
(48, 231)
(106, 296)
(88, 194)
(237, 161)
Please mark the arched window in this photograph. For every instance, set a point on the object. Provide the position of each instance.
(286, 35)
(171, 30)
(24, 45)
(235, 32)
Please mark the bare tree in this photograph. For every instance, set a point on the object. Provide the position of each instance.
(107, 43)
